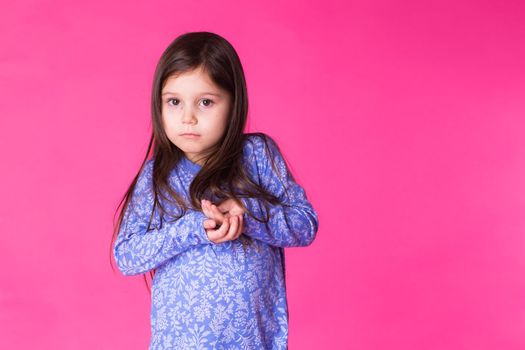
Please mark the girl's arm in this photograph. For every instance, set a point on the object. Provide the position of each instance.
(137, 250)
(292, 224)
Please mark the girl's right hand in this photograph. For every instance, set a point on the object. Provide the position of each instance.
(230, 228)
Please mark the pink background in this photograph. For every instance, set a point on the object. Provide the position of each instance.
(403, 120)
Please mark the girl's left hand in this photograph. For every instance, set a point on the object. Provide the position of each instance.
(216, 217)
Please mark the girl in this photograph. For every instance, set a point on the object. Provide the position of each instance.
(209, 215)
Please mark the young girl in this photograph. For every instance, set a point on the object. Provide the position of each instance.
(213, 209)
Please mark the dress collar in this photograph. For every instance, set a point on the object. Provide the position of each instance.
(191, 166)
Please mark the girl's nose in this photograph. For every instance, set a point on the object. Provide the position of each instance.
(188, 117)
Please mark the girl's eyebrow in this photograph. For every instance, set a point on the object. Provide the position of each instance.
(203, 93)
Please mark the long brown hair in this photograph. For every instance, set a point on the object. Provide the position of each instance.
(222, 175)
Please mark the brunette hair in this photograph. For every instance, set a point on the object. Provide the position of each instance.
(222, 175)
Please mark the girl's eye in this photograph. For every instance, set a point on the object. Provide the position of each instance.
(210, 102)
(207, 102)
(172, 99)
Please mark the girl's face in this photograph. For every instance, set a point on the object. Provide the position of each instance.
(193, 104)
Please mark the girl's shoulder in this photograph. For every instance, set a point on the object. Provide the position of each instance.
(258, 145)
(145, 174)
(262, 154)
(147, 168)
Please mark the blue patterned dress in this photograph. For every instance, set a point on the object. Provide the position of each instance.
(230, 295)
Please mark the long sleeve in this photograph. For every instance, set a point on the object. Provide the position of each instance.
(295, 222)
(138, 250)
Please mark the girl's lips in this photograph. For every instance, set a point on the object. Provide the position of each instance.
(191, 136)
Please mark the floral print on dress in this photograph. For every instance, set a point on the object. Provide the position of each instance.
(230, 295)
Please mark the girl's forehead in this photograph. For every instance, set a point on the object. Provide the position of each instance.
(195, 81)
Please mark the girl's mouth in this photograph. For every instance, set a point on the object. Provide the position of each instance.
(190, 136)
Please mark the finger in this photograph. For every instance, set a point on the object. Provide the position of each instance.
(231, 206)
(234, 220)
(228, 232)
(216, 212)
(206, 209)
(209, 223)
(218, 234)
(224, 206)
(213, 211)
(238, 230)
(241, 227)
